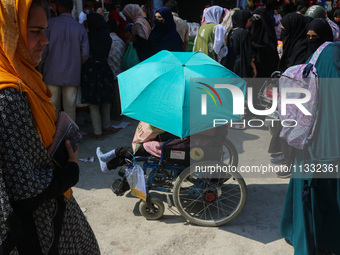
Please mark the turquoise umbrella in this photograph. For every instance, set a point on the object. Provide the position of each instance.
(179, 92)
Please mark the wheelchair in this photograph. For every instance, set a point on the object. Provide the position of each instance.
(201, 197)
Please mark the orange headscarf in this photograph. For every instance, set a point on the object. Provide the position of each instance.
(18, 71)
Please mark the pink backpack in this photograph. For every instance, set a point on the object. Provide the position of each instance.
(299, 132)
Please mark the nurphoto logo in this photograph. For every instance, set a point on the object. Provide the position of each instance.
(238, 103)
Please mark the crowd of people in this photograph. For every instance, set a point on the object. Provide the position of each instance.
(244, 41)
(46, 63)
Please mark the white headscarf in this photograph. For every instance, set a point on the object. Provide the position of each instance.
(220, 49)
(213, 14)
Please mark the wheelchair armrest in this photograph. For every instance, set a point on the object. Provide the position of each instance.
(129, 162)
(141, 158)
(163, 146)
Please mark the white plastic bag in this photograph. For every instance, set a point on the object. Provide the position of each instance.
(136, 180)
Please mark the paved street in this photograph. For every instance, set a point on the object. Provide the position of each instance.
(120, 229)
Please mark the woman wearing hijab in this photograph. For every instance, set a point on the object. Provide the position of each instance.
(311, 214)
(294, 29)
(164, 35)
(239, 57)
(264, 43)
(36, 215)
(141, 26)
(318, 32)
(140, 29)
(98, 80)
(121, 23)
(210, 36)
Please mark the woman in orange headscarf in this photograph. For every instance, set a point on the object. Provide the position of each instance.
(35, 217)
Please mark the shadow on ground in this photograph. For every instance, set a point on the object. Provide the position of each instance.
(259, 220)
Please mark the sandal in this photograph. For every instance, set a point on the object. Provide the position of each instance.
(110, 130)
(98, 137)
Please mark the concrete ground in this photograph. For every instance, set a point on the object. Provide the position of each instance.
(120, 229)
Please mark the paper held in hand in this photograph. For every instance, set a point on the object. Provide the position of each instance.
(66, 129)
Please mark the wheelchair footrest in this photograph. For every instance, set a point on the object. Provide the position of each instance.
(120, 186)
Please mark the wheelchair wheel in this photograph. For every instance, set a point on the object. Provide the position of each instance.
(153, 213)
(209, 200)
(229, 153)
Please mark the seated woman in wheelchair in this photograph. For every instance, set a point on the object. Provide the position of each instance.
(147, 141)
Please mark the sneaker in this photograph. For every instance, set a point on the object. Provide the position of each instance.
(103, 165)
(278, 160)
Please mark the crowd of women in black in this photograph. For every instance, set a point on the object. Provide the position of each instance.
(311, 215)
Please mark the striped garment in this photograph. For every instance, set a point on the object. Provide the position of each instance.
(116, 54)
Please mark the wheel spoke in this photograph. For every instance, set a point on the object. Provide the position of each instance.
(204, 209)
(210, 212)
(229, 191)
(232, 208)
(194, 201)
(229, 195)
(230, 200)
(204, 212)
(192, 206)
(219, 202)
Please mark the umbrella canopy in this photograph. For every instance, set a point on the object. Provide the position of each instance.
(166, 91)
